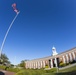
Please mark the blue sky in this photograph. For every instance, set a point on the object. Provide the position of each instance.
(40, 25)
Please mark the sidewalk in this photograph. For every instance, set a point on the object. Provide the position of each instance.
(3, 72)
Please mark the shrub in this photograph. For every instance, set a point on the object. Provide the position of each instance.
(71, 62)
(62, 64)
(67, 64)
(9, 68)
(2, 67)
(46, 66)
(74, 61)
(51, 70)
(13, 69)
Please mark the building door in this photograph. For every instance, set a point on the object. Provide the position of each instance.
(57, 62)
(50, 63)
(53, 62)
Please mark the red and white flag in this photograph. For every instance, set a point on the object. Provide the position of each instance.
(14, 7)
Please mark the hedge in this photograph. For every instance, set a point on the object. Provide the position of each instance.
(2, 67)
(13, 69)
(62, 64)
(9, 68)
(46, 66)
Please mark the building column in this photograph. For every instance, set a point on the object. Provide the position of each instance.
(43, 64)
(38, 65)
(67, 58)
(30, 65)
(63, 59)
(70, 56)
(34, 65)
(51, 63)
(56, 61)
(74, 55)
(26, 66)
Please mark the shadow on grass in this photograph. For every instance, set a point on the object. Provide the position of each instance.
(67, 73)
(62, 73)
(1, 73)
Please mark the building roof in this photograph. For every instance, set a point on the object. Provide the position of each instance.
(53, 56)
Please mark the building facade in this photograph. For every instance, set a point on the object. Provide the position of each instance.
(52, 61)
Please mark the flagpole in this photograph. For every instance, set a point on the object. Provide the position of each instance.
(7, 33)
(15, 62)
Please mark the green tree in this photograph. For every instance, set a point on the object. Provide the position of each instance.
(4, 59)
(22, 64)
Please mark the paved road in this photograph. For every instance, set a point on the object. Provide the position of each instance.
(2, 72)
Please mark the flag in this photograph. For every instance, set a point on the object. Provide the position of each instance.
(15, 8)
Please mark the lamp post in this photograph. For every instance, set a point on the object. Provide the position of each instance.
(56, 63)
(54, 54)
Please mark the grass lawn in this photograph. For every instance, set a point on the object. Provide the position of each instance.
(63, 73)
(69, 71)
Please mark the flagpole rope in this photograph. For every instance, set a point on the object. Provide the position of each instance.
(8, 32)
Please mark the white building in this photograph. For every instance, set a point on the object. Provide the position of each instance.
(54, 60)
